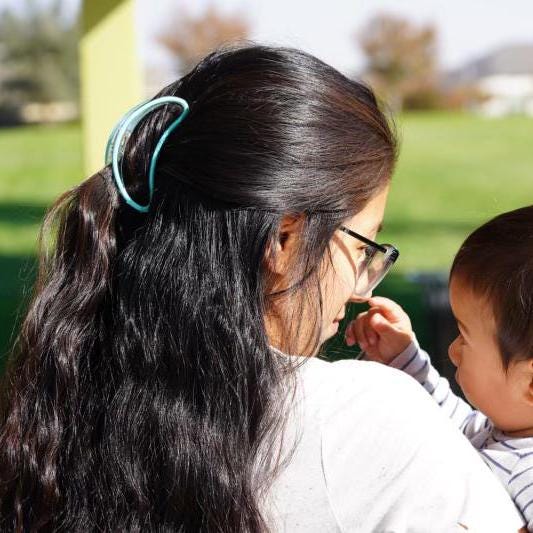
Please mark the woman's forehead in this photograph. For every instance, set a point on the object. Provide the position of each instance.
(368, 221)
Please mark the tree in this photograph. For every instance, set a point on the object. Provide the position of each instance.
(401, 61)
(39, 49)
(189, 37)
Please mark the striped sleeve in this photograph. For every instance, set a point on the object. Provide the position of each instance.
(520, 486)
(416, 362)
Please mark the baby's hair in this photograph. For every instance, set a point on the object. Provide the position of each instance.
(496, 262)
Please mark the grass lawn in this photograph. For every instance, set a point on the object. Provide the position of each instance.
(36, 165)
(454, 172)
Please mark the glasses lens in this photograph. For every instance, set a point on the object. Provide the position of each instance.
(373, 268)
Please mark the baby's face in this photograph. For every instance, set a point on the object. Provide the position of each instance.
(480, 372)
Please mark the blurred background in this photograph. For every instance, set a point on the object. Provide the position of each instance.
(458, 76)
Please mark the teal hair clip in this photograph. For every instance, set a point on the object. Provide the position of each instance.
(121, 133)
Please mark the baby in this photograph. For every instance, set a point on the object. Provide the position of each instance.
(491, 295)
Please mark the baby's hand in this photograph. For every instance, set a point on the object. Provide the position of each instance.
(382, 332)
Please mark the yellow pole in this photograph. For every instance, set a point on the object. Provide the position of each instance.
(111, 73)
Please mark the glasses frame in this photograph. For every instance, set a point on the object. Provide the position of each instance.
(393, 252)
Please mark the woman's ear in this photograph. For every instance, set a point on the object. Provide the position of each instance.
(279, 252)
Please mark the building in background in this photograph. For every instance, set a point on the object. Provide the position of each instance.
(503, 77)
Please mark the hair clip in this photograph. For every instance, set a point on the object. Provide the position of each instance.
(121, 133)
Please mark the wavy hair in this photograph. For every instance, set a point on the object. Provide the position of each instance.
(141, 392)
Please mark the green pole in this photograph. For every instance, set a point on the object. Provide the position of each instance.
(111, 73)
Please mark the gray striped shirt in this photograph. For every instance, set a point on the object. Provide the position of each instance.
(510, 458)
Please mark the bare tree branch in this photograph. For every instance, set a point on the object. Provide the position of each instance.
(189, 37)
(401, 58)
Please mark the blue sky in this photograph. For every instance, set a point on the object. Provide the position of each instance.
(467, 28)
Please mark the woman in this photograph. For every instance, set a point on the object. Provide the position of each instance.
(151, 388)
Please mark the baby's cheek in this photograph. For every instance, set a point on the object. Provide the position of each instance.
(470, 388)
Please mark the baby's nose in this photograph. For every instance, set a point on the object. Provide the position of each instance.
(452, 354)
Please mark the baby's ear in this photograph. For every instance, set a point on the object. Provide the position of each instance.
(526, 370)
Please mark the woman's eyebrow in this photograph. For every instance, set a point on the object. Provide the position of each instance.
(380, 227)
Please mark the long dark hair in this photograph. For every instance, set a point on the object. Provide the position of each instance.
(141, 393)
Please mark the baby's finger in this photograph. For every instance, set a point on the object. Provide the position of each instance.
(369, 331)
(360, 332)
(390, 309)
(350, 334)
(369, 334)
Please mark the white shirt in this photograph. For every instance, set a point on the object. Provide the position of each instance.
(510, 458)
(376, 454)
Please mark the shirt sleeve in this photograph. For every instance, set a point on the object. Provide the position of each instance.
(417, 363)
(520, 486)
(393, 462)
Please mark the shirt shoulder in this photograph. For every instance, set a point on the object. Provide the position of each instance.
(520, 478)
(392, 459)
(332, 387)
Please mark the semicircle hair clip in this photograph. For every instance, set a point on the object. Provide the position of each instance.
(123, 130)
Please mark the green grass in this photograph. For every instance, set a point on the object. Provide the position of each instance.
(36, 165)
(454, 172)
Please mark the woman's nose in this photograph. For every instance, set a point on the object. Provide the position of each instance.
(358, 298)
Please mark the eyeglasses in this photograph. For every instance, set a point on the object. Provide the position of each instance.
(374, 264)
